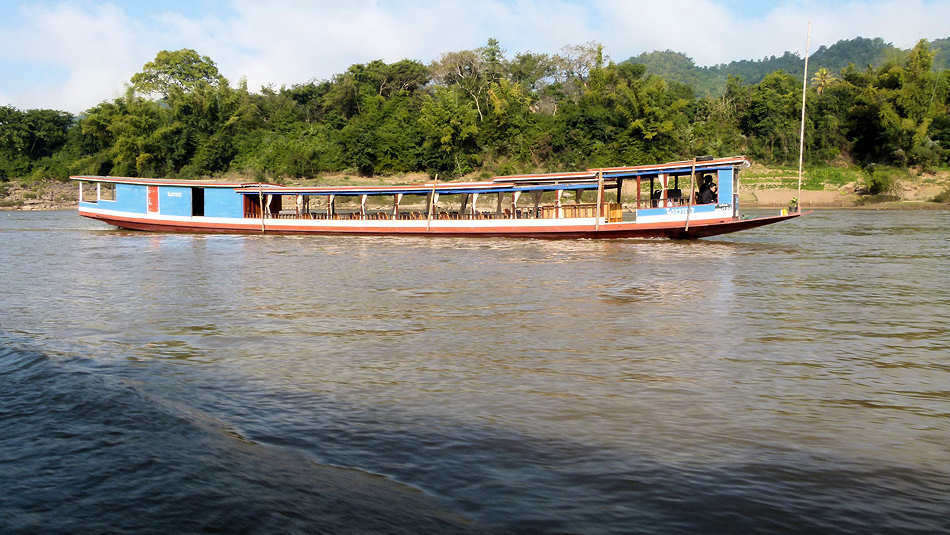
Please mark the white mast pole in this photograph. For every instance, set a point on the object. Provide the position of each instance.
(801, 142)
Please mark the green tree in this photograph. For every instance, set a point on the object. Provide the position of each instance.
(450, 128)
(822, 79)
(178, 71)
(772, 116)
(29, 136)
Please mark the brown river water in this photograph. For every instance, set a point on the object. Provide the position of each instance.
(789, 378)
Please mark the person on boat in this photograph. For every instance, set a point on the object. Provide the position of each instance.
(707, 191)
(655, 198)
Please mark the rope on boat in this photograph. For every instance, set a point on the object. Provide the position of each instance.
(260, 197)
(689, 205)
(431, 202)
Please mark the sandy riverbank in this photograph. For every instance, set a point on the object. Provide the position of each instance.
(905, 198)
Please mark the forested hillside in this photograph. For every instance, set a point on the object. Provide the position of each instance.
(859, 51)
(482, 111)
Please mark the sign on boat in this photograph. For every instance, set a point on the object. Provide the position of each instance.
(681, 200)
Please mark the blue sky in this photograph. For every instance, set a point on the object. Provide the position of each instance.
(72, 54)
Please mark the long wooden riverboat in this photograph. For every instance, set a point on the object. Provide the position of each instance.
(586, 204)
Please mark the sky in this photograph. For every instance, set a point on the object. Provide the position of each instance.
(72, 54)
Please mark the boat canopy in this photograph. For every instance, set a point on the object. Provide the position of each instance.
(677, 168)
(590, 179)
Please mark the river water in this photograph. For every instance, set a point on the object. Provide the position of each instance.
(790, 378)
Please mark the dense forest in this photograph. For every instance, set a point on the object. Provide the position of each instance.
(488, 112)
(860, 52)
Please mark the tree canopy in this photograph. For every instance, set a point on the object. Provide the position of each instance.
(177, 71)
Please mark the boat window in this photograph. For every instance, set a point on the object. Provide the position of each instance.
(708, 192)
(89, 192)
(106, 191)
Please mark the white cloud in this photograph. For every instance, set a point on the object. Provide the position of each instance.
(97, 49)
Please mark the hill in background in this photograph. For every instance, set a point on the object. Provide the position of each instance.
(711, 80)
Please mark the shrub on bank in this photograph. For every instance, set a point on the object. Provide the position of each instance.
(880, 180)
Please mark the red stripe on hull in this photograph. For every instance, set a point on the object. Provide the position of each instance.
(697, 229)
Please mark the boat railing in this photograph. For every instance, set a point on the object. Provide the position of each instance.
(668, 202)
(613, 212)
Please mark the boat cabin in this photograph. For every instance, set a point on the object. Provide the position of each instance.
(146, 196)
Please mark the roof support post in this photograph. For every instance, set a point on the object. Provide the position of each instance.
(363, 206)
(558, 213)
(498, 206)
(330, 205)
(396, 198)
(600, 199)
(638, 192)
(664, 178)
(514, 203)
(474, 202)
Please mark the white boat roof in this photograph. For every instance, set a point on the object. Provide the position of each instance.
(579, 180)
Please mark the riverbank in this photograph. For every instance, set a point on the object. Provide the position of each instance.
(38, 195)
(833, 198)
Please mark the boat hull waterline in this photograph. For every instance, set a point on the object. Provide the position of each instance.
(699, 229)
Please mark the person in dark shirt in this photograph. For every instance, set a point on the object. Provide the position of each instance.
(707, 191)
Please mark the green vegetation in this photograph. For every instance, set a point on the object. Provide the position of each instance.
(834, 176)
(880, 180)
(481, 111)
(860, 52)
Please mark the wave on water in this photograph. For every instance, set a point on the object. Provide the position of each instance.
(85, 451)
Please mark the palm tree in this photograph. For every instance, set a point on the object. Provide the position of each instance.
(822, 79)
